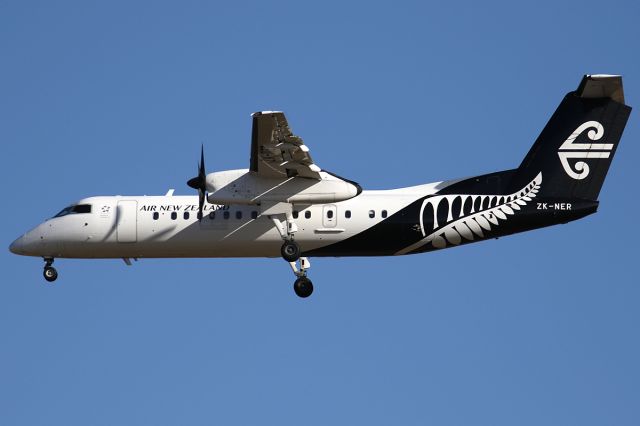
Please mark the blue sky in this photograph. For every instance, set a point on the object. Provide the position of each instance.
(105, 98)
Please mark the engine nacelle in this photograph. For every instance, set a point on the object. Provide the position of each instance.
(243, 187)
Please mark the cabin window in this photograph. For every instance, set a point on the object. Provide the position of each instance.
(186, 215)
(372, 214)
(383, 213)
(307, 214)
(295, 214)
(174, 215)
(212, 215)
(347, 214)
(329, 214)
(254, 214)
(226, 214)
(156, 215)
(239, 214)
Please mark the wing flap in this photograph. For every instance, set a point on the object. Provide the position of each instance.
(276, 152)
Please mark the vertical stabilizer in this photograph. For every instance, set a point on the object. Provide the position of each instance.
(576, 147)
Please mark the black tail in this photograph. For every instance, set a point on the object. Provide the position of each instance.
(577, 145)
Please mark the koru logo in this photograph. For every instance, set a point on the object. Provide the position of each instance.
(583, 150)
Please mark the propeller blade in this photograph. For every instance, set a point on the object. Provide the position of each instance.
(201, 173)
(200, 183)
(200, 203)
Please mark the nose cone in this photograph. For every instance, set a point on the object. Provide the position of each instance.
(18, 246)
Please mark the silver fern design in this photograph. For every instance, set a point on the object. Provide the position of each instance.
(457, 217)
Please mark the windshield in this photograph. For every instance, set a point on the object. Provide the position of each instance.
(78, 208)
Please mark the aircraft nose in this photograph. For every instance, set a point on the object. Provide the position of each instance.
(17, 247)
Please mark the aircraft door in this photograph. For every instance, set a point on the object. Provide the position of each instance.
(127, 220)
(329, 216)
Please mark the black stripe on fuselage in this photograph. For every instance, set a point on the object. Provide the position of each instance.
(403, 229)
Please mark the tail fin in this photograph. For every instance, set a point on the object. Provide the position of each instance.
(577, 145)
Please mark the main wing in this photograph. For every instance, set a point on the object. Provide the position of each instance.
(276, 152)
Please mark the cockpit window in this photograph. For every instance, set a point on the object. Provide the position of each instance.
(78, 208)
(82, 208)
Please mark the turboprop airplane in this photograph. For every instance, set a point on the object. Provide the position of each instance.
(285, 205)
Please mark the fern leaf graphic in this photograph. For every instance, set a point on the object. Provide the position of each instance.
(468, 227)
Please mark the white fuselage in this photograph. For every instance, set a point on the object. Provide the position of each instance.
(168, 226)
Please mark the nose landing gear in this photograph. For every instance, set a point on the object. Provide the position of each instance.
(50, 274)
(303, 287)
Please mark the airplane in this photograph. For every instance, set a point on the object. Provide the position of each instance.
(285, 205)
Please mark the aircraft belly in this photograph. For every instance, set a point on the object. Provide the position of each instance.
(195, 241)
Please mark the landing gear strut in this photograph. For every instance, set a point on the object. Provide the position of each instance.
(50, 274)
(290, 250)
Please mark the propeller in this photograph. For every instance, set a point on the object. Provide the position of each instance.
(200, 183)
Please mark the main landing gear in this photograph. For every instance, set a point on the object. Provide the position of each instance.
(50, 274)
(290, 250)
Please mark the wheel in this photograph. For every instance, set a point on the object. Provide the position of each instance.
(290, 251)
(50, 273)
(303, 287)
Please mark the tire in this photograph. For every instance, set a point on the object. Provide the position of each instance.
(50, 274)
(290, 251)
(303, 287)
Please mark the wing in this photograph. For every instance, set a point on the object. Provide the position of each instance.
(276, 152)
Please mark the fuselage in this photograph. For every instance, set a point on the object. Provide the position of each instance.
(168, 226)
(385, 222)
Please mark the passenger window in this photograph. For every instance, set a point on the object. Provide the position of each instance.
(329, 214)
(307, 214)
(254, 214)
(384, 213)
(156, 215)
(226, 214)
(186, 215)
(212, 215)
(238, 214)
(295, 214)
(372, 214)
(174, 215)
(347, 214)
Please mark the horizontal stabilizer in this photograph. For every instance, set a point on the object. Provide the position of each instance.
(601, 86)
